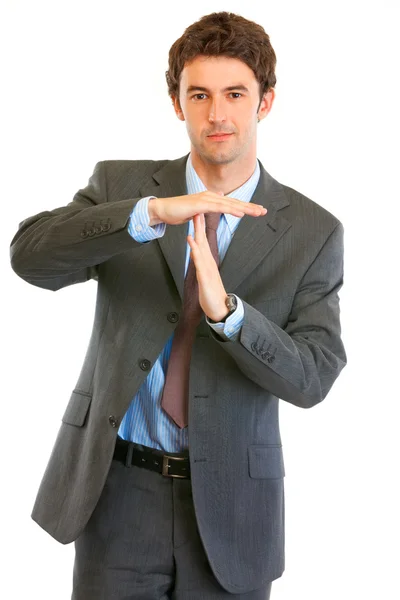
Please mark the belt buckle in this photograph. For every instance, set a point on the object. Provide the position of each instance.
(166, 465)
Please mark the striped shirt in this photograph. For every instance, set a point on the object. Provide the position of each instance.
(145, 422)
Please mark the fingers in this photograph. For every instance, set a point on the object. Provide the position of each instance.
(196, 240)
(241, 209)
(199, 242)
(225, 204)
(199, 223)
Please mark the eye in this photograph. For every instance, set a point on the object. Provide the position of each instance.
(236, 95)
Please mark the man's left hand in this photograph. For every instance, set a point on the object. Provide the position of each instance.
(212, 293)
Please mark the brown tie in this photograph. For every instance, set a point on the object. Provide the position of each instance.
(176, 389)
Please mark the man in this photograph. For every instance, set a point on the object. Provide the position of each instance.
(167, 471)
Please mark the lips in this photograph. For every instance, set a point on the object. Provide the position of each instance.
(220, 136)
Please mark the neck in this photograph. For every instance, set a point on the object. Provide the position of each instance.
(223, 177)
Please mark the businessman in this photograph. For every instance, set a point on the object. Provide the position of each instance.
(217, 298)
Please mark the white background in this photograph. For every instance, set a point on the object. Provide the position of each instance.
(83, 82)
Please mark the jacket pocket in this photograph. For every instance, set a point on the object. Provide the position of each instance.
(266, 461)
(77, 408)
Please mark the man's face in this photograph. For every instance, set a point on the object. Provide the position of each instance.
(221, 95)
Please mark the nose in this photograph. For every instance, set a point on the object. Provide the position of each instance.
(217, 112)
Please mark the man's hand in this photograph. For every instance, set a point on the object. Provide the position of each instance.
(212, 293)
(181, 209)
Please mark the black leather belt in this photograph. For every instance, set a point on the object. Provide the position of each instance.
(169, 464)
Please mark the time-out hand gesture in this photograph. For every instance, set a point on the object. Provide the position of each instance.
(212, 293)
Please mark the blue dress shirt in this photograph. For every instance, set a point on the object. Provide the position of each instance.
(145, 422)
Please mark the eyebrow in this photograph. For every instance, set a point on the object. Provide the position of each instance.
(193, 88)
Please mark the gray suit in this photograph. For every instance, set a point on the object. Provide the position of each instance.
(287, 267)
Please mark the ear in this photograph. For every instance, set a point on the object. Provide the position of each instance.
(177, 108)
(266, 103)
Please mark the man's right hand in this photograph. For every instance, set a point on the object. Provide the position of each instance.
(181, 209)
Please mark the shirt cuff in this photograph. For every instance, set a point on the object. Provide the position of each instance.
(138, 225)
(230, 329)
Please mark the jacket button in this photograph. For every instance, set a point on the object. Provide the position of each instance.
(145, 364)
(112, 420)
(106, 226)
(84, 233)
(98, 230)
(173, 317)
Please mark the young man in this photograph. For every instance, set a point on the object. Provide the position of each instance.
(167, 471)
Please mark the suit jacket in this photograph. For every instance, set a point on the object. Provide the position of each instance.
(287, 267)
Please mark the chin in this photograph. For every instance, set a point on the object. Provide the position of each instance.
(217, 157)
(222, 158)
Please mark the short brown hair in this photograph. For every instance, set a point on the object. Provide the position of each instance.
(223, 34)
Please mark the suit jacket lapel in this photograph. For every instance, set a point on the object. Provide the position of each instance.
(254, 237)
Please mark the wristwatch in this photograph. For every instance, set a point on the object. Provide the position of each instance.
(231, 305)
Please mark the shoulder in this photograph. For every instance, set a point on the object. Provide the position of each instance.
(127, 167)
(307, 212)
(126, 178)
(296, 207)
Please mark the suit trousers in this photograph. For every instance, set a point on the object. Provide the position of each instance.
(142, 543)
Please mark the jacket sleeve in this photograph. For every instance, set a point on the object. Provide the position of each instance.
(139, 223)
(57, 248)
(300, 363)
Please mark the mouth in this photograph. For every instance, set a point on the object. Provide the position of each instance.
(219, 137)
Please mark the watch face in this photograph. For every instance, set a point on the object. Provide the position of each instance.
(231, 302)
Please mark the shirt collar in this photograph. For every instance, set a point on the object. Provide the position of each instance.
(244, 192)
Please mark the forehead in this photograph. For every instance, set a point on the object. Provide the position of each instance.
(217, 72)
